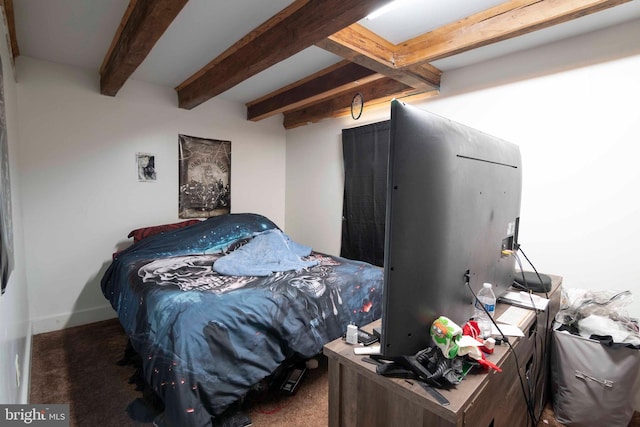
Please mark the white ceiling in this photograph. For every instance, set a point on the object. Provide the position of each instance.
(79, 33)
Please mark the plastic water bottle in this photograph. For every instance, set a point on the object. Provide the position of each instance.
(487, 298)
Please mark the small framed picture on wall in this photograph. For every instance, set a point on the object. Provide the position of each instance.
(146, 167)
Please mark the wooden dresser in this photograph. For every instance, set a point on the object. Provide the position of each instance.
(358, 396)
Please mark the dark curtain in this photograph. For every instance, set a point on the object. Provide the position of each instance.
(365, 151)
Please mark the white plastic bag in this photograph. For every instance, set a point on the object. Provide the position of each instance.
(599, 312)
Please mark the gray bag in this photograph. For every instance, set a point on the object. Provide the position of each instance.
(592, 385)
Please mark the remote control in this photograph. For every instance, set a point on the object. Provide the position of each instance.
(290, 385)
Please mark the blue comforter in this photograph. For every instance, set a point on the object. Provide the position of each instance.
(204, 338)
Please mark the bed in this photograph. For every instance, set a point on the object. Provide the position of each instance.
(206, 338)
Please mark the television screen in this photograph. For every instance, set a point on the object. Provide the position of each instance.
(453, 206)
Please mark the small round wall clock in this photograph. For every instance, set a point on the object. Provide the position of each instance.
(357, 104)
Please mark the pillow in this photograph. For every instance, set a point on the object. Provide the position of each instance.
(140, 233)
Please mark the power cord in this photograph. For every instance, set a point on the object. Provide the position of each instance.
(530, 410)
(519, 249)
(547, 326)
(531, 382)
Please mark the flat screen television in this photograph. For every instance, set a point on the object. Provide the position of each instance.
(453, 207)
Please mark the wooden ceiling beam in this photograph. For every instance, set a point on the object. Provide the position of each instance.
(376, 94)
(317, 87)
(508, 20)
(365, 42)
(357, 44)
(295, 28)
(141, 27)
(7, 7)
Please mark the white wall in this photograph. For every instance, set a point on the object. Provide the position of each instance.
(79, 182)
(15, 334)
(572, 107)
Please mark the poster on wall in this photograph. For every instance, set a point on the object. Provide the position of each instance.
(204, 177)
(6, 224)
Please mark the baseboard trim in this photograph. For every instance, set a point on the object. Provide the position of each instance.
(69, 320)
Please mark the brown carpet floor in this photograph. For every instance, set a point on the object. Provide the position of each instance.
(78, 366)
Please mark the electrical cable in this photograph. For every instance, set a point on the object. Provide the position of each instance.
(519, 249)
(547, 337)
(530, 410)
(534, 367)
